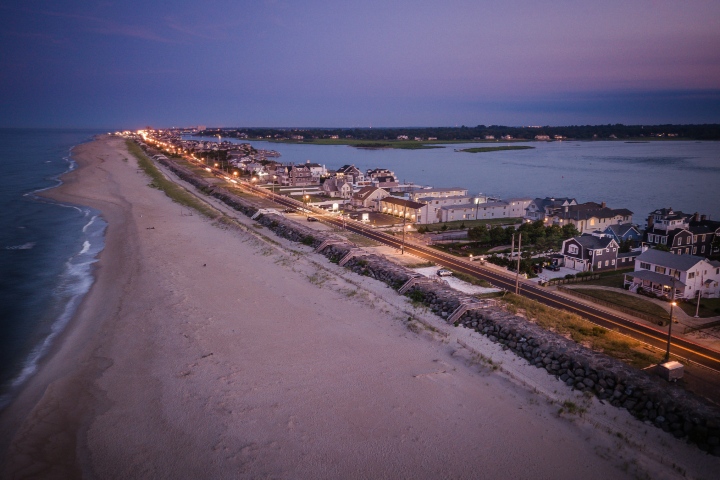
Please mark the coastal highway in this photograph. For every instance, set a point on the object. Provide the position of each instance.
(682, 348)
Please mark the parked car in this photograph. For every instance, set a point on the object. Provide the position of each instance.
(444, 272)
(553, 267)
(289, 210)
(312, 219)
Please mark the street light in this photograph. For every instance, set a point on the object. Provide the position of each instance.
(273, 184)
(672, 306)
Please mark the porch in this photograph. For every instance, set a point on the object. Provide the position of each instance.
(657, 283)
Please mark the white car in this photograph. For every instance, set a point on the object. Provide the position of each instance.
(444, 272)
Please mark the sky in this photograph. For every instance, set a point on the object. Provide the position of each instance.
(129, 64)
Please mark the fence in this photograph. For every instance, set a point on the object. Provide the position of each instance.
(561, 281)
(645, 316)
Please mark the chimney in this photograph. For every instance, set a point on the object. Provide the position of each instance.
(703, 218)
(695, 217)
(603, 205)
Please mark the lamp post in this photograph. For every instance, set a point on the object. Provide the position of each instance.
(517, 273)
(697, 307)
(402, 247)
(672, 306)
(273, 184)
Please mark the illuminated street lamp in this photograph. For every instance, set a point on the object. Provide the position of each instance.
(672, 306)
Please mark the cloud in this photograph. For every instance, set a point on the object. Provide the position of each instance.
(103, 26)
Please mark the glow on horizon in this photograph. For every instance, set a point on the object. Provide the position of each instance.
(319, 63)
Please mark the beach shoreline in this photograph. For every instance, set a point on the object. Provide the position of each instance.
(202, 351)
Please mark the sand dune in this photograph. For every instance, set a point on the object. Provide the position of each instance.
(204, 352)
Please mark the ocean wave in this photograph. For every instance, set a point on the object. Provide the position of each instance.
(75, 281)
(92, 220)
(24, 246)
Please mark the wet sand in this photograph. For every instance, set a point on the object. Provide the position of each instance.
(202, 351)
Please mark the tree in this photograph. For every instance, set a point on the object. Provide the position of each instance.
(626, 245)
(497, 235)
(569, 231)
(479, 234)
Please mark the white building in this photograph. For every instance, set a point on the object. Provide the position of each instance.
(659, 272)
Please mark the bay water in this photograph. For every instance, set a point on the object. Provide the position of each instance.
(639, 176)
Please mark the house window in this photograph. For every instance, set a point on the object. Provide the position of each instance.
(607, 250)
(694, 250)
(663, 240)
(660, 270)
(613, 262)
(702, 238)
(644, 266)
(599, 264)
(691, 275)
(572, 249)
(702, 249)
(606, 263)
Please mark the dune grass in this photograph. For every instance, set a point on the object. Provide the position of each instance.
(584, 332)
(176, 193)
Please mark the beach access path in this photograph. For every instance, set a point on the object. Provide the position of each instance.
(204, 351)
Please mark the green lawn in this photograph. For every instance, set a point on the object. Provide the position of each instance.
(709, 307)
(496, 149)
(437, 227)
(615, 281)
(627, 300)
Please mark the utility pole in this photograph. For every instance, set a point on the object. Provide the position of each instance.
(517, 273)
(697, 307)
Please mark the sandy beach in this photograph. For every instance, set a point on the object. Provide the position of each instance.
(204, 351)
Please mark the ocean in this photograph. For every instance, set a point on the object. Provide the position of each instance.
(46, 249)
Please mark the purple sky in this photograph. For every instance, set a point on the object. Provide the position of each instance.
(359, 63)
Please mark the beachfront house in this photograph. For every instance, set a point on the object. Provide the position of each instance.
(660, 272)
(351, 173)
(414, 212)
(368, 198)
(595, 253)
(419, 193)
(587, 253)
(337, 187)
(624, 232)
(294, 175)
(543, 208)
(590, 217)
(682, 233)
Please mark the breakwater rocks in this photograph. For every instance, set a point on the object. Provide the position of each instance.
(651, 400)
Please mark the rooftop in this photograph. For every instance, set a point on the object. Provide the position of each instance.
(670, 260)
